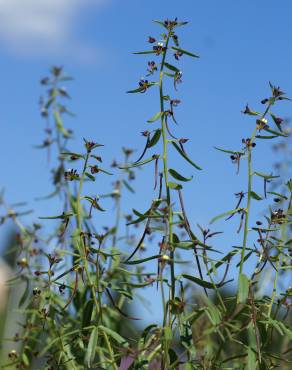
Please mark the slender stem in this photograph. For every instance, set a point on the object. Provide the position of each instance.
(165, 170)
(249, 191)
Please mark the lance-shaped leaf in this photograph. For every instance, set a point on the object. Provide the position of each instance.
(61, 217)
(255, 196)
(144, 52)
(277, 133)
(155, 117)
(155, 138)
(228, 151)
(76, 155)
(203, 283)
(265, 176)
(184, 155)
(137, 262)
(266, 137)
(142, 88)
(185, 52)
(87, 313)
(243, 288)
(277, 121)
(178, 176)
(171, 67)
(117, 337)
(128, 186)
(91, 349)
(141, 163)
(91, 177)
(228, 213)
(225, 259)
(277, 195)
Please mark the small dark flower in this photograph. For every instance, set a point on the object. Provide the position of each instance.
(94, 169)
(278, 120)
(175, 102)
(152, 67)
(151, 40)
(177, 79)
(89, 145)
(71, 175)
(261, 124)
(247, 110)
(45, 81)
(56, 71)
(143, 85)
(264, 101)
(178, 54)
(145, 133)
(159, 48)
(170, 24)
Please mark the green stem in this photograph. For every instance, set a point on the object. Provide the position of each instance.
(165, 172)
(250, 174)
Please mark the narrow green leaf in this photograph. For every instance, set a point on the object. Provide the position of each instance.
(266, 137)
(275, 119)
(255, 196)
(251, 359)
(117, 337)
(136, 262)
(225, 259)
(62, 216)
(265, 176)
(184, 155)
(185, 52)
(91, 177)
(228, 151)
(155, 138)
(243, 288)
(178, 176)
(87, 312)
(277, 195)
(277, 133)
(128, 186)
(91, 349)
(155, 117)
(141, 88)
(171, 67)
(228, 213)
(203, 283)
(144, 52)
(141, 163)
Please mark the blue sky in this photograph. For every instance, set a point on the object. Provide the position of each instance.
(242, 45)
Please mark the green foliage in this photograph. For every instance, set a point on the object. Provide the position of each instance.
(80, 278)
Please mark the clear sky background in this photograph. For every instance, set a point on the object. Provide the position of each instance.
(242, 45)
